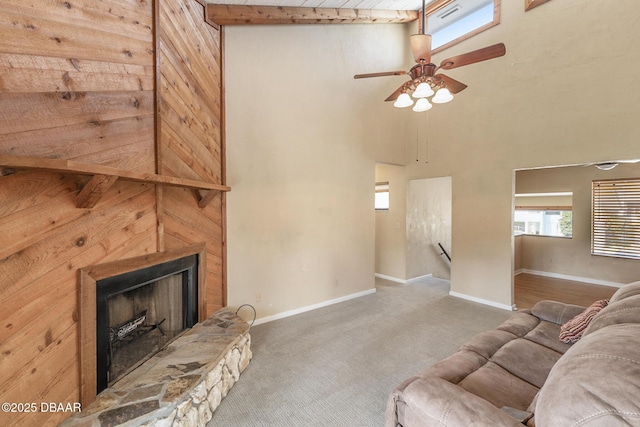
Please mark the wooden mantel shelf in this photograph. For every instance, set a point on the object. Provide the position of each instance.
(105, 176)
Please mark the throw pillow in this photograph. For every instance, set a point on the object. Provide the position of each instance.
(572, 331)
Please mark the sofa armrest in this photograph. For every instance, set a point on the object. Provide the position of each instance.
(596, 382)
(426, 401)
(556, 312)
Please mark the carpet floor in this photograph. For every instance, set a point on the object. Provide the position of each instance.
(335, 366)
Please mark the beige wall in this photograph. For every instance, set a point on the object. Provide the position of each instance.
(517, 252)
(572, 257)
(428, 223)
(391, 237)
(544, 103)
(565, 93)
(302, 138)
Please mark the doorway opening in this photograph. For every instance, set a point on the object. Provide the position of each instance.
(414, 233)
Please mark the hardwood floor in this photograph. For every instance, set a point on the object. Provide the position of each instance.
(530, 288)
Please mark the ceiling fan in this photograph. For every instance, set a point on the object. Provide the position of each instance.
(424, 75)
(607, 166)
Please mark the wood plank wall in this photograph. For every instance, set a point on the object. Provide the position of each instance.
(190, 143)
(78, 81)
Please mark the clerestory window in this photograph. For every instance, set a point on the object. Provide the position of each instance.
(459, 20)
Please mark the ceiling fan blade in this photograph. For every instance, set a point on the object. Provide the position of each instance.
(454, 86)
(384, 73)
(472, 57)
(397, 92)
(421, 47)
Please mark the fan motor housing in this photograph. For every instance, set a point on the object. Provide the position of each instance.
(422, 70)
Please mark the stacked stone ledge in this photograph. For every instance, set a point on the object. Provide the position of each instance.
(182, 385)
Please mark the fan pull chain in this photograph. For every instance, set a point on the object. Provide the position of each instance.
(417, 143)
(426, 140)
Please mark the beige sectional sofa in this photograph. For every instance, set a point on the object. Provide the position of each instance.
(521, 373)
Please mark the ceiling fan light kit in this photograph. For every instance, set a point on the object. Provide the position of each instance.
(422, 104)
(403, 101)
(424, 79)
(443, 95)
(423, 90)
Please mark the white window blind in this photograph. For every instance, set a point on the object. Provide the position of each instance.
(616, 218)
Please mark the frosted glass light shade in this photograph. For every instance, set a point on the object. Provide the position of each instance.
(404, 100)
(423, 91)
(442, 95)
(422, 104)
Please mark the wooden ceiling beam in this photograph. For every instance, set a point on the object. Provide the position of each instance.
(221, 14)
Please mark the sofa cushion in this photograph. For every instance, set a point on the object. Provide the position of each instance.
(434, 401)
(625, 291)
(519, 323)
(487, 343)
(499, 387)
(526, 360)
(546, 334)
(625, 310)
(572, 331)
(455, 367)
(596, 382)
(556, 312)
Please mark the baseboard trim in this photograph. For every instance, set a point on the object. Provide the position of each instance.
(483, 301)
(569, 277)
(391, 278)
(403, 281)
(415, 279)
(300, 310)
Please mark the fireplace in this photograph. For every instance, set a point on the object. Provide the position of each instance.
(133, 308)
(140, 312)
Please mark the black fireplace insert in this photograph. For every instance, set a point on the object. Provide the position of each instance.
(140, 312)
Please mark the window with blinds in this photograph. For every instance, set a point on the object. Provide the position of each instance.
(616, 218)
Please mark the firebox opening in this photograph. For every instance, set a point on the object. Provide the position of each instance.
(141, 312)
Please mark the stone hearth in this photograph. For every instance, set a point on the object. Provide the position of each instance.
(181, 385)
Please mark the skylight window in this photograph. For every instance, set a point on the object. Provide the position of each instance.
(460, 20)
